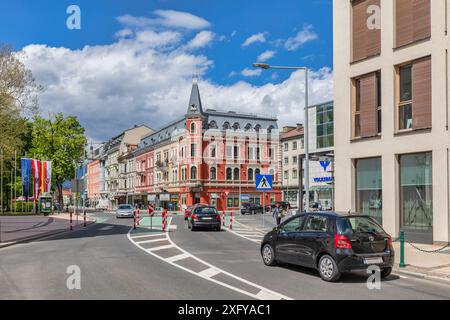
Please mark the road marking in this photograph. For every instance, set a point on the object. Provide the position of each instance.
(264, 295)
(148, 235)
(178, 257)
(151, 241)
(160, 248)
(106, 228)
(206, 274)
(209, 273)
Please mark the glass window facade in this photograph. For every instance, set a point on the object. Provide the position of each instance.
(325, 126)
(369, 188)
(416, 192)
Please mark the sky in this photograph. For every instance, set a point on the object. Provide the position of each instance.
(132, 62)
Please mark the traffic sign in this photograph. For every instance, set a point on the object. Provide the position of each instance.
(264, 182)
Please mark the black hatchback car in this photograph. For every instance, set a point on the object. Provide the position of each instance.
(204, 218)
(332, 243)
(251, 208)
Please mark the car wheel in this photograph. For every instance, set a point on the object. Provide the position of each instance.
(386, 272)
(268, 255)
(193, 228)
(253, 212)
(328, 269)
(219, 229)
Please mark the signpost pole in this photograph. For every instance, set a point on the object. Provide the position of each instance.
(264, 209)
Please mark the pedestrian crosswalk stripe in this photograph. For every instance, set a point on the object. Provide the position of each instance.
(147, 235)
(209, 273)
(178, 257)
(151, 241)
(264, 295)
(160, 248)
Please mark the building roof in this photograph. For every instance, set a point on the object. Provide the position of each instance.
(296, 132)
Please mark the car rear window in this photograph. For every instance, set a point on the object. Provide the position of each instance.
(204, 210)
(125, 207)
(358, 225)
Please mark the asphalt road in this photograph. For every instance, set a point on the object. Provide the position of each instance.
(112, 267)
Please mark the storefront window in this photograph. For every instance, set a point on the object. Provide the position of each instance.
(416, 191)
(233, 201)
(369, 188)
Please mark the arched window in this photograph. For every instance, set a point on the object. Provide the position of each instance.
(257, 171)
(236, 175)
(194, 173)
(213, 125)
(250, 175)
(213, 174)
(236, 126)
(270, 129)
(226, 126)
(193, 128)
(248, 127)
(257, 127)
(229, 174)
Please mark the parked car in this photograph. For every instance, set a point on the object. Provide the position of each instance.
(332, 243)
(283, 204)
(124, 211)
(205, 218)
(251, 208)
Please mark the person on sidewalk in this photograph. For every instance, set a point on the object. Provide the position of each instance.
(276, 213)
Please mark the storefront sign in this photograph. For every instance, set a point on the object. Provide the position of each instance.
(164, 197)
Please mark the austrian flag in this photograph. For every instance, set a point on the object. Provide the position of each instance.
(46, 176)
(36, 170)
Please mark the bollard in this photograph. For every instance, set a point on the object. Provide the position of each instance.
(71, 220)
(402, 249)
(139, 217)
(164, 222)
(231, 220)
(223, 218)
(134, 219)
(84, 217)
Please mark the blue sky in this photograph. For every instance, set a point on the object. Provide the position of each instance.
(288, 32)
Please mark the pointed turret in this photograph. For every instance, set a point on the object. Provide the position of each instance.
(195, 103)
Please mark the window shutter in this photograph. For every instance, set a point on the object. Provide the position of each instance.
(421, 18)
(365, 42)
(368, 113)
(413, 21)
(421, 88)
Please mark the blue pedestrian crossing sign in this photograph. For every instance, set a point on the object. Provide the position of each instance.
(264, 182)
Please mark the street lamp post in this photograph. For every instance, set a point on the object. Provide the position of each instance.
(306, 126)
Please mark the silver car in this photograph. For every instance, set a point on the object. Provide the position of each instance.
(124, 211)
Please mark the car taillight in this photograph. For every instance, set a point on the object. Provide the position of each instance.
(389, 241)
(195, 217)
(342, 242)
(217, 217)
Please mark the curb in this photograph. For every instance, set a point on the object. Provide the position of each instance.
(422, 276)
(44, 235)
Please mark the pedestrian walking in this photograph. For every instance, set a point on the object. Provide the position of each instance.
(276, 213)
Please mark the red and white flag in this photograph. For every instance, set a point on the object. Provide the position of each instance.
(46, 176)
(36, 171)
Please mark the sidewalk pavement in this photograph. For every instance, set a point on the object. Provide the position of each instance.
(432, 266)
(16, 229)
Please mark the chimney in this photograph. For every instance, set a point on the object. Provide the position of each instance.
(287, 129)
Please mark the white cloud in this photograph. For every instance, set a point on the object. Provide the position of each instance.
(302, 37)
(259, 37)
(166, 18)
(146, 78)
(251, 72)
(202, 39)
(266, 55)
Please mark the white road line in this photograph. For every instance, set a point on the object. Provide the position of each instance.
(151, 241)
(148, 235)
(178, 257)
(187, 254)
(264, 295)
(209, 273)
(106, 228)
(160, 248)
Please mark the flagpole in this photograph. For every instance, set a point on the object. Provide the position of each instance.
(1, 181)
(15, 180)
(11, 208)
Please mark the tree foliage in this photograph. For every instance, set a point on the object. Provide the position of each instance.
(60, 140)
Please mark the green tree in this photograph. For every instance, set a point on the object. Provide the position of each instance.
(62, 141)
(18, 100)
